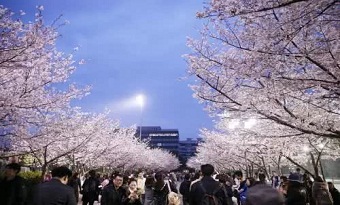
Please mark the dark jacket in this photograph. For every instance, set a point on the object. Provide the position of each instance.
(90, 189)
(148, 196)
(113, 196)
(320, 193)
(128, 201)
(196, 193)
(161, 191)
(296, 194)
(184, 189)
(13, 192)
(335, 196)
(76, 185)
(54, 192)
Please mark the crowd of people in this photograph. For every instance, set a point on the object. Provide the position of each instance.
(202, 188)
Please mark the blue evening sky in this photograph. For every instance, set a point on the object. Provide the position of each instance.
(130, 47)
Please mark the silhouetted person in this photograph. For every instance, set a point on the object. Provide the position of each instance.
(185, 188)
(12, 187)
(74, 182)
(320, 192)
(335, 193)
(207, 186)
(56, 190)
(90, 189)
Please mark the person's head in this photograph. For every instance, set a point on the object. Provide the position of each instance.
(187, 177)
(75, 175)
(140, 175)
(62, 173)
(196, 176)
(173, 199)
(207, 169)
(330, 186)
(159, 176)
(11, 170)
(262, 177)
(221, 178)
(263, 194)
(274, 173)
(133, 184)
(118, 180)
(113, 174)
(283, 178)
(238, 175)
(298, 170)
(92, 173)
(149, 181)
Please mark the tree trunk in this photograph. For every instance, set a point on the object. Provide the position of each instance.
(315, 166)
(321, 169)
(265, 167)
(279, 170)
(43, 172)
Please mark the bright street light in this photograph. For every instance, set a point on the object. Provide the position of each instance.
(234, 123)
(140, 100)
(249, 123)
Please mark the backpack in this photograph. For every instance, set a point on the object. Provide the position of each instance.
(211, 199)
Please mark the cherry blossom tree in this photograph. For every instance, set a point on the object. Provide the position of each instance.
(35, 111)
(230, 147)
(75, 137)
(123, 150)
(32, 73)
(63, 135)
(275, 60)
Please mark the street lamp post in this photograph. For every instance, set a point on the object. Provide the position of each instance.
(140, 102)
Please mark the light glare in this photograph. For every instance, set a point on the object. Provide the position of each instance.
(249, 123)
(140, 100)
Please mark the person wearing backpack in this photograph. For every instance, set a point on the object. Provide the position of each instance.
(90, 189)
(207, 191)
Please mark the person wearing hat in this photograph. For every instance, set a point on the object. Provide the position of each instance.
(296, 192)
(12, 187)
